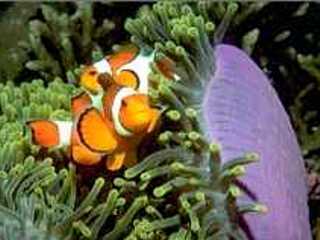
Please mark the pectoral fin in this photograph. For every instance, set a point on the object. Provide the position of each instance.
(154, 120)
(84, 156)
(124, 56)
(94, 132)
(115, 161)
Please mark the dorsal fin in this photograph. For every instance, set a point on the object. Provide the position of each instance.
(80, 102)
(123, 56)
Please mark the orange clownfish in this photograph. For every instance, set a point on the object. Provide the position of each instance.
(56, 134)
(49, 134)
(131, 118)
(114, 133)
(111, 117)
(129, 67)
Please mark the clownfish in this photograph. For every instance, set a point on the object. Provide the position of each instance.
(113, 114)
(56, 134)
(131, 119)
(114, 133)
(129, 67)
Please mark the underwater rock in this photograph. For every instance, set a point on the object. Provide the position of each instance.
(243, 112)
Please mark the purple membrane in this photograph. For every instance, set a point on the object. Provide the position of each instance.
(243, 112)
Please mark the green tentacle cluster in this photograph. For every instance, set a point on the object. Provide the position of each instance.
(311, 64)
(201, 201)
(306, 122)
(26, 102)
(23, 178)
(307, 118)
(182, 36)
(59, 42)
(177, 32)
(209, 192)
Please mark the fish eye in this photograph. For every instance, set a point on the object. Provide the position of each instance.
(125, 102)
(92, 72)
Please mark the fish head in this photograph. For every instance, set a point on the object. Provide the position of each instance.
(137, 115)
(89, 79)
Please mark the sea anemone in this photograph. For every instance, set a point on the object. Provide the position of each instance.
(241, 110)
(225, 149)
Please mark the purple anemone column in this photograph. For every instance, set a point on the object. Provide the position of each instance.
(242, 111)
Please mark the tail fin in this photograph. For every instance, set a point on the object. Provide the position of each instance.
(44, 133)
(49, 134)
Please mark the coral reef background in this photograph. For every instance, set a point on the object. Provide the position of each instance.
(51, 41)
